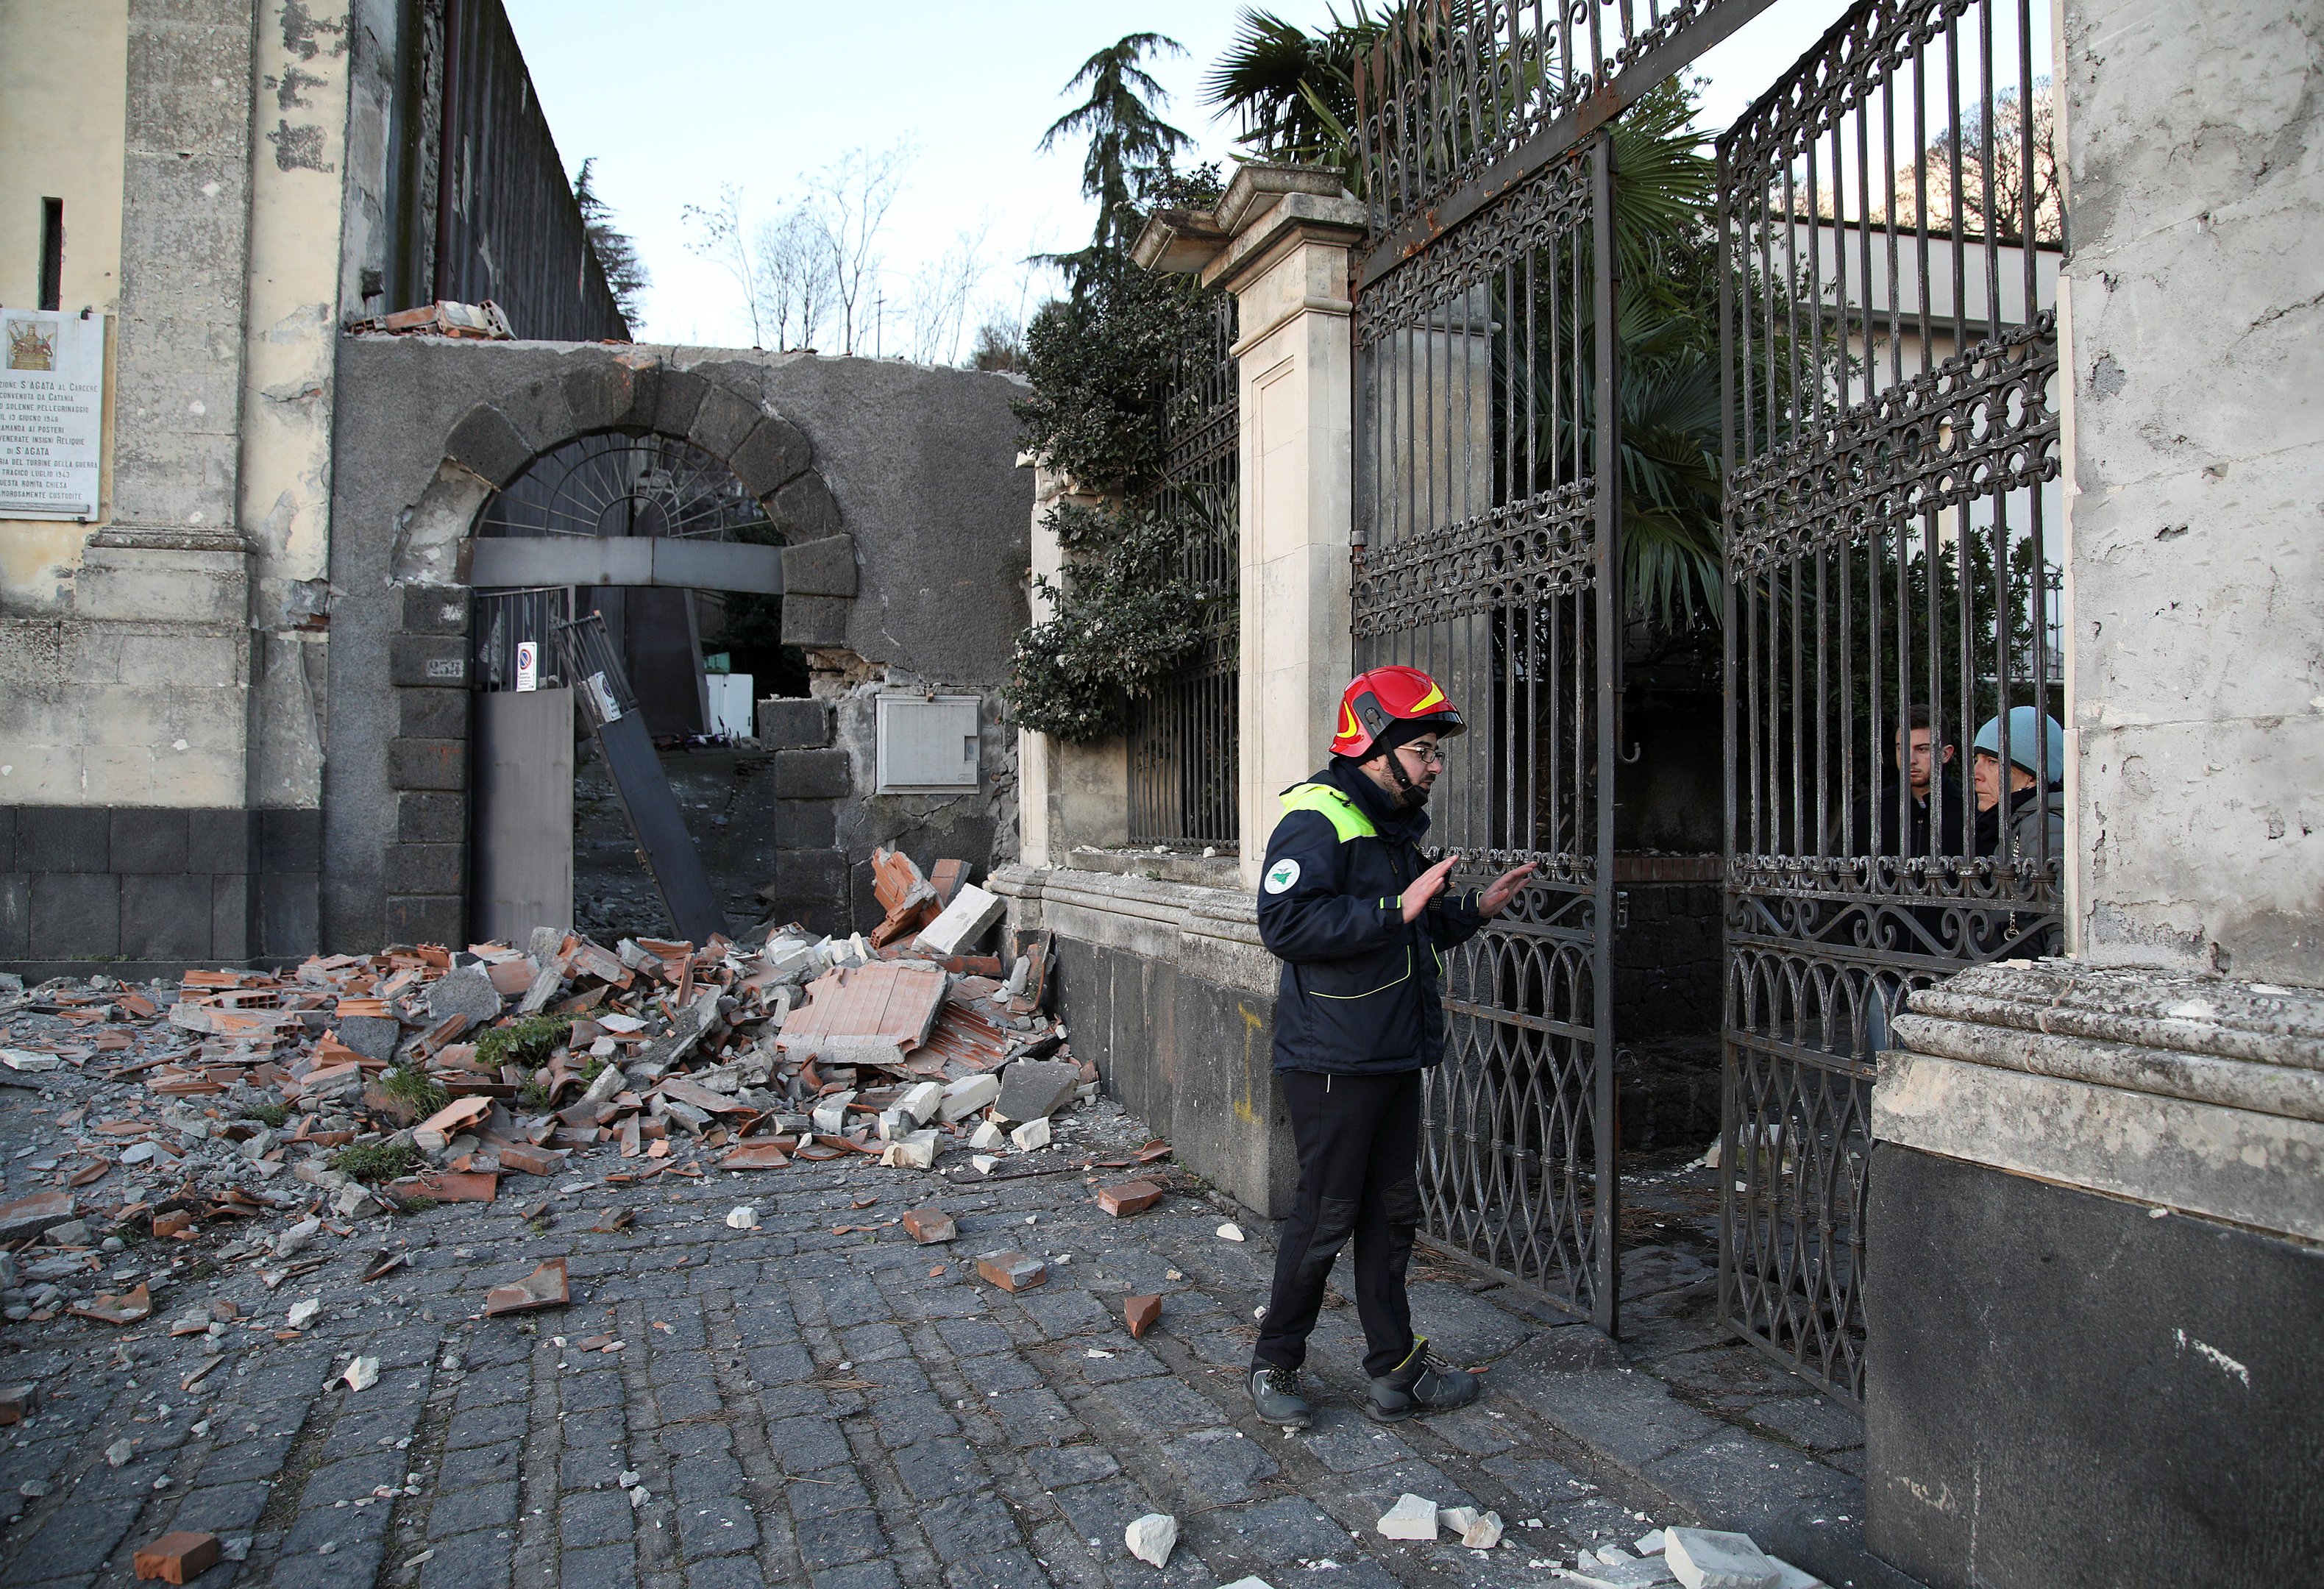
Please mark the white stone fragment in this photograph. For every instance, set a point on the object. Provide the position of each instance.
(1032, 1134)
(1788, 1576)
(966, 1095)
(1483, 1533)
(1712, 1559)
(1250, 1583)
(296, 1238)
(1413, 1516)
(985, 1163)
(362, 1374)
(987, 1136)
(1649, 1544)
(920, 1100)
(969, 916)
(1152, 1537)
(830, 1114)
(1457, 1518)
(744, 1218)
(300, 1312)
(117, 1454)
(629, 1477)
(1231, 1232)
(917, 1151)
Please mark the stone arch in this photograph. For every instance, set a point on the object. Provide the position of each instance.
(635, 395)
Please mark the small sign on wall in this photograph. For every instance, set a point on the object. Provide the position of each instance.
(528, 664)
(52, 413)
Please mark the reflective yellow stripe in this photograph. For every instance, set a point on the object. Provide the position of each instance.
(1346, 821)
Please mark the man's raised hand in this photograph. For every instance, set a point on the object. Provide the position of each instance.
(1427, 886)
(1504, 887)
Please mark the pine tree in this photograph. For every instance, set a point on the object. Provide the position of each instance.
(617, 255)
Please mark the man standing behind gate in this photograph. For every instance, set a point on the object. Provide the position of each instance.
(1358, 925)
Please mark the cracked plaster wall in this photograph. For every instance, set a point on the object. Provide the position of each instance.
(2195, 307)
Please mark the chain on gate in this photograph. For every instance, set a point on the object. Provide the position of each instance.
(1891, 223)
(1485, 510)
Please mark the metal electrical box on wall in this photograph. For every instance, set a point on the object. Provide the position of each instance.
(927, 744)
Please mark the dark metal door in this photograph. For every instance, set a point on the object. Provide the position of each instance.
(1891, 223)
(521, 812)
(1487, 521)
(1486, 514)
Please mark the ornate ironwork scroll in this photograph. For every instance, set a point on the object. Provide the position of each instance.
(1484, 518)
(1891, 225)
(1185, 736)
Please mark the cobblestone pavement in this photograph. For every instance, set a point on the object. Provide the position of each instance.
(804, 1403)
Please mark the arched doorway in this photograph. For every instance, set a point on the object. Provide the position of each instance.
(653, 555)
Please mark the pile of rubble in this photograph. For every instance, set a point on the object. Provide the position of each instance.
(271, 1108)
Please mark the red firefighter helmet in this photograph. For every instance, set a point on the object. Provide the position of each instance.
(1380, 696)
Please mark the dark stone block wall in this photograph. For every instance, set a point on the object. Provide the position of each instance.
(2063, 1388)
(137, 887)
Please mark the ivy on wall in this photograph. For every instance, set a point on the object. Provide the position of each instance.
(1104, 363)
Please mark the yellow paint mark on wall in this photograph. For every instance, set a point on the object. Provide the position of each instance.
(1252, 1024)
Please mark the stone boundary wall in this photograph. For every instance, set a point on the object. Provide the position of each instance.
(1167, 989)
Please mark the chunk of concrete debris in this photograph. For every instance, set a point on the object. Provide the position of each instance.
(1483, 1533)
(1035, 1089)
(29, 1216)
(179, 1556)
(1125, 1198)
(966, 1095)
(73, 1232)
(744, 1218)
(1712, 1558)
(917, 1151)
(830, 1114)
(1649, 1544)
(985, 1163)
(296, 1239)
(545, 1287)
(962, 923)
(989, 1136)
(1457, 1518)
(1253, 1583)
(1788, 1576)
(1012, 1271)
(1030, 1137)
(1231, 1232)
(17, 1403)
(1139, 1314)
(1413, 1516)
(467, 991)
(930, 1225)
(1152, 1537)
(362, 1373)
(301, 1313)
(119, 1454)
(1653, 1573)
(921, 1100)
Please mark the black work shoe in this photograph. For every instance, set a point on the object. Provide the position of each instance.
(1421, 1383)
(1275, 1392)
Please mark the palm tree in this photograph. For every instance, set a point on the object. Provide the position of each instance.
(1129, 145)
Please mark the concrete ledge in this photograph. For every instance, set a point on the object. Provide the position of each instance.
(2190, 1094)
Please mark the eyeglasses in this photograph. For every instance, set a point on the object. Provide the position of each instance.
(1427, 756)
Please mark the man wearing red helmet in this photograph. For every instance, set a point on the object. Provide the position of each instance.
(1360, 922)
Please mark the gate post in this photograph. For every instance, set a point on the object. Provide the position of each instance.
(1282, 241)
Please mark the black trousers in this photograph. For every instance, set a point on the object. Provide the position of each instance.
(1359, 1140)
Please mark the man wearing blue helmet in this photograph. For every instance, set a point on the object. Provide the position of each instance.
(2031, 824)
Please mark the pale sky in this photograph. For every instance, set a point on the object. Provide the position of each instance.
(676, 97)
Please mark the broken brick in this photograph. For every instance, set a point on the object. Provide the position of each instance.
(1012, 1271)
(173, 1224)
(545, 1287)
(1139, 1313)
(17, 1402)
(132, 1308)
(930, 1225)
(179, 1556)
(529, 1161)
(1128, 1197)
(756, 1156)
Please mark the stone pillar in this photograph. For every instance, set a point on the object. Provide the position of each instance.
(1282, 241)
(1067, 794)
(2096, 1221)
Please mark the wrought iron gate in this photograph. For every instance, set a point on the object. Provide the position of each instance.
(1486, 516)
(1890, 222)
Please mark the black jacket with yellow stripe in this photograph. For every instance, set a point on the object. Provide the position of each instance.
(1361, 987)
